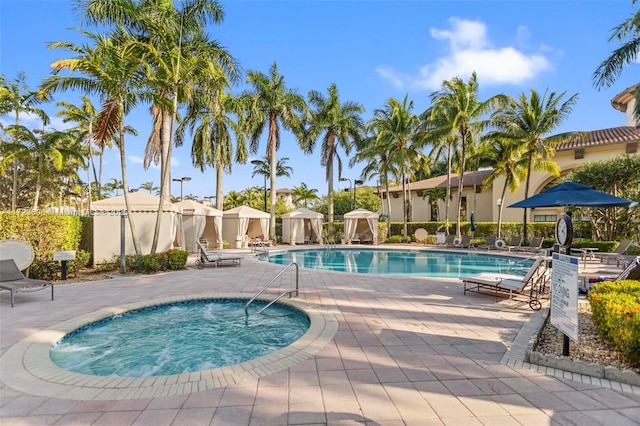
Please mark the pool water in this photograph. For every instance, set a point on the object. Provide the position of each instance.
(178, 338)
(424, 263)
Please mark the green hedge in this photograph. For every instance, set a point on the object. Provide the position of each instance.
(171, 260)
(615, 307)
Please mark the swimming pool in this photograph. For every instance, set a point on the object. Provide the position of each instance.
(178, 338)
(379, 261)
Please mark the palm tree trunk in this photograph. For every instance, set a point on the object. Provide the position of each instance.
(526, 195)
(273, 164)
(461, 182)
(123, 168)
(330, 194)
(448, 200)
(386, 185)
(219, 182)
(504, 191)
(165, 167)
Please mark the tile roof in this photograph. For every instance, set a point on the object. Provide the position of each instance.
(602, 137)
(470, 179)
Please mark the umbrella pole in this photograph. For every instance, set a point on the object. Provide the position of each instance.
(565, 345)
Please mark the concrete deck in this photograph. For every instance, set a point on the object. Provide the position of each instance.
(384, 351)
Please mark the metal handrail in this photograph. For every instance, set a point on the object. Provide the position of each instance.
(255, 296)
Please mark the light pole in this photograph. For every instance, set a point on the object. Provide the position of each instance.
(260, 163)
(356, 182)
(499, 203)
(350, 187)
(182, 179)
(210, 198)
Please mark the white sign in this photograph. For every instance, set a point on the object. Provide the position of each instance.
(564, 295)
(64, 255)
(440, 237)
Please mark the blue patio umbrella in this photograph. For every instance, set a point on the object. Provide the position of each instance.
(569, 194)
(473, 222)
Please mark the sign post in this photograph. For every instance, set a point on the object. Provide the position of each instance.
(564, 298)
(63, 257)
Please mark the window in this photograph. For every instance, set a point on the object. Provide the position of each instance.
(545, 218)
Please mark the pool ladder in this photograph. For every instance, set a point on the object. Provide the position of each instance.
(287, 292)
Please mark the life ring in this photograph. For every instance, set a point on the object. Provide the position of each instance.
(457, 241)
(501, 244)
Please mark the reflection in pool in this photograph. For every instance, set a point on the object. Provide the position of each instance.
(426, 263)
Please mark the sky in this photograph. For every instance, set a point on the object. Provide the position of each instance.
(372, 51)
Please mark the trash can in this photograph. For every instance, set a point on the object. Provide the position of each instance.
(238, 241)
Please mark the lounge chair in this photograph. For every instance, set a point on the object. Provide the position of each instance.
(12, 279)
(216, 258)
(535, 245)
(515, 243)
(355, 239)
(511, 285)
(490, 243)
(631, 272)
(448, 241)
(616, 254)
(465, 242)
(367, 239)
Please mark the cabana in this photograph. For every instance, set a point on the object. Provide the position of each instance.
(107, 226)
(363, 223)
(200, 222)
(301, 226)
(242, 222)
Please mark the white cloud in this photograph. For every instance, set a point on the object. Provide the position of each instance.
(471, 50)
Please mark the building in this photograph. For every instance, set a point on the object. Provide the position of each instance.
(484, 201)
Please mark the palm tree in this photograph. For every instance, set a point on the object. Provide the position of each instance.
(529, 121)
(458, 112)
(263, 167)
(434, 195)
(339, 124)
(398, 128)
(85, 116)
(114, 185)
(506, 158)
(46, 149)
(114, 73)
(376, 153)
(272, 105)
(303, 195)
(16, 98)
(627, 33)
(233, 199)
(176, 52)
(208, 118)
(148, 186)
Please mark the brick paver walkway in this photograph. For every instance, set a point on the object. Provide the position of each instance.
(407, 351)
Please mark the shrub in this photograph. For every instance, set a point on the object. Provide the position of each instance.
(615, 308)
(171, 260)
(394, 239)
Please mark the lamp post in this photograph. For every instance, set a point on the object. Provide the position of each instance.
(182, 179)
(350, 187)
(356, 182)
(210, 198)
(260, 163)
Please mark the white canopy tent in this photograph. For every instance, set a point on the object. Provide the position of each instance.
(107, 226)
(199, 221)
(361, 222)
(301, 225)
(244, 221)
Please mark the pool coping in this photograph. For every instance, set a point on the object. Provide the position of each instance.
(27, 365)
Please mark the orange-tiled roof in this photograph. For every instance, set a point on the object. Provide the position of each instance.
(602, 137)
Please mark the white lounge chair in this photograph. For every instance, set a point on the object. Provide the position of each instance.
(511, 285)
(215, 258)
(12, 279)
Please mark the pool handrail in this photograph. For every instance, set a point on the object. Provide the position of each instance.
(289, 292)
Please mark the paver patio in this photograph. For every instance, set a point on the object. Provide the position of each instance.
(407, 351)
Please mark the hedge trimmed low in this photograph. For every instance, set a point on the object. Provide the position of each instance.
(615, 308)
